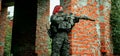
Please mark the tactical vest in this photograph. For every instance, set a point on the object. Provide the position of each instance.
(64, 25)
(61, 23)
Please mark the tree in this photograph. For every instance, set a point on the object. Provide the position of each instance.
(115, 25)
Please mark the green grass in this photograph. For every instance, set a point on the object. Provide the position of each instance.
(7, 48)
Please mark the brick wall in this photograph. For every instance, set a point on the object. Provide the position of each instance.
(42, 38)
(3, 13)
(105, 7)
(0, 6)
(87, 37)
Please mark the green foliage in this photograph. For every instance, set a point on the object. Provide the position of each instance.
(49, 45)
(8, 41)
(10, 17)
(115, 23)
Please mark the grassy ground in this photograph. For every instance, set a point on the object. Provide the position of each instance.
(8, 40)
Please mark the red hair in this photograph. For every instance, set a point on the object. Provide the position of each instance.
(56, 9)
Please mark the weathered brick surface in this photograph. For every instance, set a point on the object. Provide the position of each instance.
(42, 26)
(87, 37)
(106, 45)
(3, 15)
(0, 6)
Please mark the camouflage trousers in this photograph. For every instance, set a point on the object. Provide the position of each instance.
(60, 45)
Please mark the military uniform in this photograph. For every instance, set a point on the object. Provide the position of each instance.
(61, 25)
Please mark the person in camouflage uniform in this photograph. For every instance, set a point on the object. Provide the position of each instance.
(61, 25)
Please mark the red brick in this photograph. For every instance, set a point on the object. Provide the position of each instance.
(101, 7)
(85, 32)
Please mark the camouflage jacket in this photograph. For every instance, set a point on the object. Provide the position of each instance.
(64, 22)
(61, 22)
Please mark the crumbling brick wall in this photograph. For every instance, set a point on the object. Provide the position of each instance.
(106, 45)
(3, 14)
(87, 37)
(42, 38)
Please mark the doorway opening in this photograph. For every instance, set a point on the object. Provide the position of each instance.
(24, 28)
(9, 25)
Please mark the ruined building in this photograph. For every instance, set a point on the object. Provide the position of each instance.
(30, 24)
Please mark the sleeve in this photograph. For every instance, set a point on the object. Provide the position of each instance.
(55, 19)
(52, 19)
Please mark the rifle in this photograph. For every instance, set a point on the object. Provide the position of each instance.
(82, 17)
